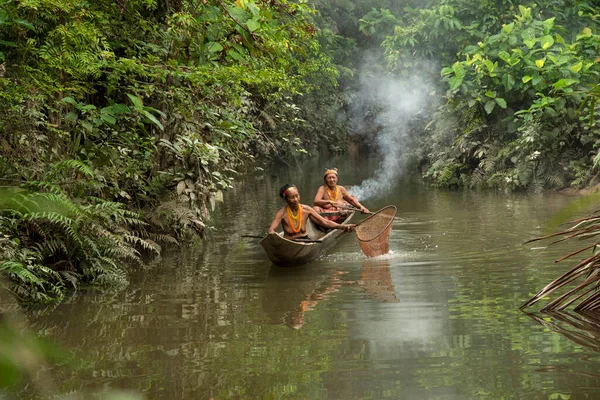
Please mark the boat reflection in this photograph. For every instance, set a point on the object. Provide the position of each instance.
(291, 293)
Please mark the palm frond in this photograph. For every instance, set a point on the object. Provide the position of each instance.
(580, 284)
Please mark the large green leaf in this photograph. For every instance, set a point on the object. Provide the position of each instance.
(10, 44)
(455, 82)
(214, 47)
(547, 41)
(153, 119)
(508, 81)
(577, 67)
(504, 56)
(252, 24)
(24, 23)
(562, 83)
(137, 102)
(548, 24)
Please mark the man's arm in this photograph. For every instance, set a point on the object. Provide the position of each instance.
(319, 200)
(276, 221)
(353, 200)
(317, 219)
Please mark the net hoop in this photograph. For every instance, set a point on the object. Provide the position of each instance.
(374, 231)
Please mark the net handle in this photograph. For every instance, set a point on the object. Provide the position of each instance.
(369, 213)
(374, 214)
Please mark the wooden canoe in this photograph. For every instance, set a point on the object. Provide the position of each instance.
(288, 253)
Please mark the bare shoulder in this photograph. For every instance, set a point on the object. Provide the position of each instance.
(308, 209)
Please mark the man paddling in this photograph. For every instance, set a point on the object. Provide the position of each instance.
(331, 196)
(293, 216)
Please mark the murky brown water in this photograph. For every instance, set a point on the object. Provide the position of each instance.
(436, 319)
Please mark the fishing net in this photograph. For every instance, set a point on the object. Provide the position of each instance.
(373, 232)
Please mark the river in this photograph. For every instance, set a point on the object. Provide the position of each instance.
(437, 318)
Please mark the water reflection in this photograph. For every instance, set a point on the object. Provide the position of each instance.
(376, 279)
(437, 319)
(290, 293)
(580, 328)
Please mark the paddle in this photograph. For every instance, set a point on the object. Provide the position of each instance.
(293, 240)
(358, 209)
(332, 213)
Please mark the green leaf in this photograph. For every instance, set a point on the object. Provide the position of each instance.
(504, 56)
(459, 70)
(109, 119)
(561, 83)
(547, 41)
(9, 44)
(24, 23)
(501, 102)
(490, 94)
(70, 100)
(446, 71)
(508, 28)
(489, 106)
(548, 24)
(235, 55)
(530, 43)
(252, 25)
(540, 63)
(577, 67)
(116, 109)
(153, 119)
(508, 81)
(214, 47)
(454, 82)
(528, 34)
(137, 102)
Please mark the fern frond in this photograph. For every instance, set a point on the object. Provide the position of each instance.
(146, 244)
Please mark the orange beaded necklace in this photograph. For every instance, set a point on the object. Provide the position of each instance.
(333, 195)
(297, 218)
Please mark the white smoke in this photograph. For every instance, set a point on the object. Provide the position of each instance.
(388, 104)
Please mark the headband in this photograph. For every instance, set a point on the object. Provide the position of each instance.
(330, 171)
(284, 189)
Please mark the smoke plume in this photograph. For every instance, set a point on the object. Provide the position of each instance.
(384, 109)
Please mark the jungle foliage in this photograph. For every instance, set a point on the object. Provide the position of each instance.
(130, 118)
(143, 105)
(520, 84)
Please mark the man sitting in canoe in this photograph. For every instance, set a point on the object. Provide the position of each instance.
(294, 215)
(331, 196)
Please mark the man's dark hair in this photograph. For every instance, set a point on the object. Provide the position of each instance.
(284, 188)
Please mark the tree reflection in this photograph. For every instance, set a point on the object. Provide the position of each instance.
(580, 328)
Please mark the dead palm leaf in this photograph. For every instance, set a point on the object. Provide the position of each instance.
(584, 278)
